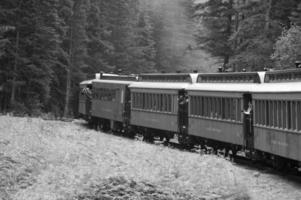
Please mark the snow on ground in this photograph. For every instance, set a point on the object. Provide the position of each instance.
(60, 160)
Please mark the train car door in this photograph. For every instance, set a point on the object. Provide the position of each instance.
(88, 98)
(248, 121)
(183, 112)
(127, 105)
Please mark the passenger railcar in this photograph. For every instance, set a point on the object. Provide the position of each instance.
(111, 102)
(277, 117)
(158, 104)
(85, 94)
(216, 109)
(256, 112)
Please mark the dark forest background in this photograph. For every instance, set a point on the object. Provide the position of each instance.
(48, 46)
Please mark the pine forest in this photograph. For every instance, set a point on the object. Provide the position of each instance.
(48, 47)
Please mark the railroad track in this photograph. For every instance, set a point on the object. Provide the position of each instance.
(240, 158)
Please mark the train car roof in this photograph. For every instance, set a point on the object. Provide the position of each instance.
(169, 77)
(231, 77)
(86, 82)
(159, 85)
(120, 82)
(288, 75)
(278, 87)
(222, 87)
(248, 87)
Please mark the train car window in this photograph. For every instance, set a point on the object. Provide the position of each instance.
(228, 109)
(196, 106)
(289, 117)
(193, 102)
(155, 103)
(218, 108)
(233, 109)
(280, 121)
(267, 117)
(299, 115)
(148, 101)
(262, 112)
(141, 100)
(257, 106)
(207, 108)
(237, 110)
(168, 102)
(228, 106)
(105, 94)
(210, 105)
(150, 105)
(256, 112)
(271, 113)
(277, 114)
(160, 102)
(293, 115)
(199, 103)
(134, 100)
(137, 100)
(172, 102)
(283, 106)
(191, 105)
(163, 103)
(274, 116)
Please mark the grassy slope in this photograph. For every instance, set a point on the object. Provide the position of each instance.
(58, 160)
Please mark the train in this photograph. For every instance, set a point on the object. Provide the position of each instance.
(258, 113)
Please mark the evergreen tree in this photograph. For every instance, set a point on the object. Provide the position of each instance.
(288, 48)
(295, 17)
(217, 17)
(99, 47)
(256, 34)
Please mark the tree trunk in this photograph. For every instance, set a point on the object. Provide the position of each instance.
(68, 75)
(267, 16)
(13, 90)
(68, 88)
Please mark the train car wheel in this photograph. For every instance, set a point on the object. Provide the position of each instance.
(185, 141)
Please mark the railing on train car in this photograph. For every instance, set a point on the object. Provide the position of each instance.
(240, 77)
(291, 75)
(172, 77)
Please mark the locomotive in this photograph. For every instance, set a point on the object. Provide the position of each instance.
(258, 113)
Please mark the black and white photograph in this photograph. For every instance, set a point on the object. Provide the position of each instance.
(150, 99)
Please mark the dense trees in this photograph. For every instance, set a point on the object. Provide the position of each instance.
(47, 47)
(244, 33)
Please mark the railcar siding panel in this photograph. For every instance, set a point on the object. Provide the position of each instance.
(157, 120)
(217, 130)
(107, 110)
(82, 107)
(278, 142)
